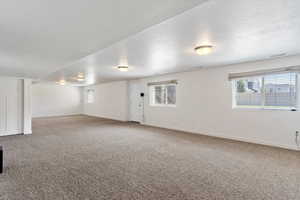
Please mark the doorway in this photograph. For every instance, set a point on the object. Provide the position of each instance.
(11, 106)
(136, 101)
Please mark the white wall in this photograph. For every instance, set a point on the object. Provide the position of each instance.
(204, 106)
(55, 100)
(111, 101)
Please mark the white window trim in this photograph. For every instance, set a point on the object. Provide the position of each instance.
(87, 96)
(262, 107)
(152, 95)
(163, 105)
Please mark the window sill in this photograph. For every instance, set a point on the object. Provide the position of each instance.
(162, 105)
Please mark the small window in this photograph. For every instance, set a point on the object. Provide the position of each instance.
(276, 91)
(90, 96)
(163, 95)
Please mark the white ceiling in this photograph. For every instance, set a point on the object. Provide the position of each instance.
(38, 37)
(240, 31)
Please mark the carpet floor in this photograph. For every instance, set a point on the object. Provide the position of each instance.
(86, 158)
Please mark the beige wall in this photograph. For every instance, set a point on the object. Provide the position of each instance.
(204, 106)
(55, 100)
(111, 101)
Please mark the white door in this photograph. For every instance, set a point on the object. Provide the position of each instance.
(136, 102)
(2, 113)
(10, 106)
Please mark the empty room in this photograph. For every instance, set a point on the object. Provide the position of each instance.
(150, 100)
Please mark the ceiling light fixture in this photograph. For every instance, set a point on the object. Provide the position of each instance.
(278, 55)
(204, 50)
(61, 82)
(80, 79)
(80, 75)
(123, 68)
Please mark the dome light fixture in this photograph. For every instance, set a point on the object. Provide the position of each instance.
(80, 77)
(204, 49)
(123, 68)
(61, 82)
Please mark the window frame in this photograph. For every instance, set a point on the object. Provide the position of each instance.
(90, 92)
(263, 91)
(164, 89)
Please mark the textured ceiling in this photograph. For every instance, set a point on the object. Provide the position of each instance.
(239, 30)
(54, 40)
(38, 37)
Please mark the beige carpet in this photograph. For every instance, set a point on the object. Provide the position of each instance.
(87, 158)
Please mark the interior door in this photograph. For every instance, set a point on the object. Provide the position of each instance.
(2, 113)
(136, 103)
(10, 106)
(13, 107)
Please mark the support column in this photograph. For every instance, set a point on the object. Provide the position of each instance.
(27, 115)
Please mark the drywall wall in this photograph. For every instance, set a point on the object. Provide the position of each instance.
(204, 106)
(55, 100)
(111, 101)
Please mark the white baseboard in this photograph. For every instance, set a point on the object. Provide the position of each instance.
(57, 115)
(253, 141)
(105, 117)
(27, 132)
(241, 139)
(13, 132)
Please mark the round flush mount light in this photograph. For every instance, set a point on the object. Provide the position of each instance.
(61, 82)
(278, 55)
(204, 49)
(80, 77)
(123, 68)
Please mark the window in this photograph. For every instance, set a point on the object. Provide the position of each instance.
(90, 96)
(275, 91)
(163, 95)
